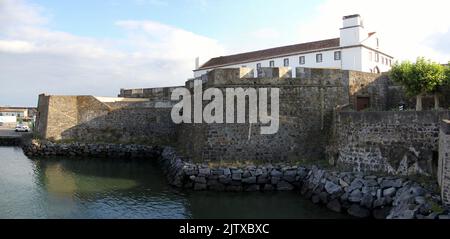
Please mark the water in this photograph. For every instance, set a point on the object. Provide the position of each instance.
(101, 188)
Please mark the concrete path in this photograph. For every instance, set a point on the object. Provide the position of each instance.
(9, 132)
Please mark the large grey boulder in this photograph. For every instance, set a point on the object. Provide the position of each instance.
(355, 196)
(332, 188)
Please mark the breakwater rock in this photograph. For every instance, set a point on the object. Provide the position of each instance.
(357, 194)
(36, 148)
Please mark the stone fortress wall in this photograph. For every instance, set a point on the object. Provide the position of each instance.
(318, 120)
(102, 119)
(394, 142)
(444, 161)
(306, 106)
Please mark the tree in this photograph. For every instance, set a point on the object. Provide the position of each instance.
(402, 74)
(422, 77)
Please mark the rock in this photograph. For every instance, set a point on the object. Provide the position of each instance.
(367, 201)
(226, 171)
(334, 205)
(217, 172)
(290, 172)
(370, 183)
(262, 180)
(249, 180)
(343, 183)
(204, 171)
(289, 177)
(358, 211)
(200, 180)
(284, 186)
(355, 185)
(252, 188)
(224, 179)
(417, 191)
(323, 196)
(380, 202)
(332, 188)
(276, 173)
(302, 173)
(274, 180)
(344, 197)
(387, 183)
(236, 176)
(355, 196)
(389, 192)
(405, 214)
(268, 187)
(420, 200)
(257, 172)
(236, 171)
(199, 186)
(371, 177)
(246, 174)
(432, 215)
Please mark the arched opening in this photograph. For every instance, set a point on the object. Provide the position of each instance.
(376, 70)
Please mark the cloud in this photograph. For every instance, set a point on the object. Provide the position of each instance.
(407, 29)
(35, 59)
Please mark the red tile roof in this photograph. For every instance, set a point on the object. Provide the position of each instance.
(269, 53)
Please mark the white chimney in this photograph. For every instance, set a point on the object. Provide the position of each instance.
(352, 31)
(197, 62)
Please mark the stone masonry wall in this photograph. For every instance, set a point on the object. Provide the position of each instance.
(86, 119)
(396, 142)
(444, 161)
(306, 106)
(160, 93)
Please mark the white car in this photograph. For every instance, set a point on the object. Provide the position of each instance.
(22, 128)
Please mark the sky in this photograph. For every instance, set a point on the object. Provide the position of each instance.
(97, 47)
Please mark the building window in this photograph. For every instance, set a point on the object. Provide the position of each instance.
(378, 43)
(382, 60)
(286, 62)
(244, 66)
(301, 60)
(272, 63)
(319, 57)
(370, 56)
(377, 57)
(258, 66)
(337, 55)
(390, 62)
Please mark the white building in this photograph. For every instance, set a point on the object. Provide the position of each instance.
(355, 49)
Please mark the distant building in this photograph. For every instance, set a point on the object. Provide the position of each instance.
(355, 49)
(21, 113)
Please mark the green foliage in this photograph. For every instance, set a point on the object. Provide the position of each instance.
(447, 76)
(423, 76)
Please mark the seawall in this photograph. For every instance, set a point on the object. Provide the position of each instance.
(394, 142)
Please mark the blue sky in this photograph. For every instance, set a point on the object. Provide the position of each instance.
(99, 46)
(217, 19)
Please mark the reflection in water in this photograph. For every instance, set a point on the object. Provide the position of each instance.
(101, 188)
